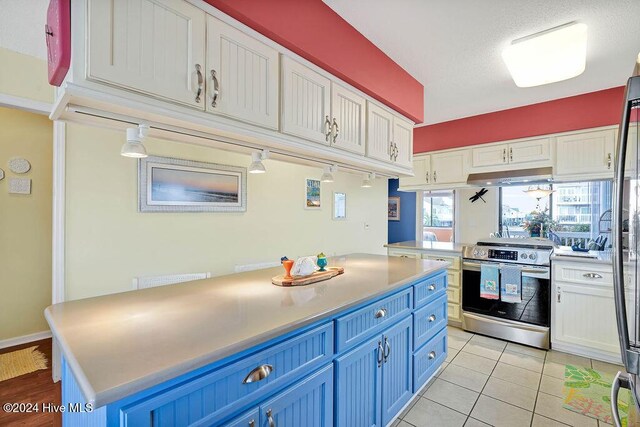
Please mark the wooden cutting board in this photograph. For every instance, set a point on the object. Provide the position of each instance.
(318, 276)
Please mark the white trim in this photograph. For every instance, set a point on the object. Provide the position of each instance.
(58, 240)
(591, 353)
(10, 342)
(25, 104)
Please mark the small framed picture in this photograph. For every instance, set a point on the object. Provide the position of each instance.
(393, 211)
(339, 206)
(312, 194)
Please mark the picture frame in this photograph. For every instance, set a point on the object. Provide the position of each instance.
(312, 194)
(168, 184)
(393, 210)
(339, 206)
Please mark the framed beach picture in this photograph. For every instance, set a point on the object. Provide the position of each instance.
(393, 211)
(339, 206)
(176, 185)
(312, 193)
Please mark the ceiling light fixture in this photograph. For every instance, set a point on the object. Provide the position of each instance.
(134, 147)
(367, 182)
(538, 193)
(257, 157)
(549, 56)
(327, 175)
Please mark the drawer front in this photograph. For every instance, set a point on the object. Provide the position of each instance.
(428, 289)
(453, 279)
(453, 295)
(584, 274)
(429, 320)
(429, 358)
(404, 254)
(356, 327)
(225, 391)
(454, 311)
(453, 260)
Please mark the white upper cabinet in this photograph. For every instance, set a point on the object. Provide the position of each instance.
(402, 141)
(586, 153)
(242, 76)
(379, 132)
(421, 171)
(348, 119)
(156, 47)
(449, 167)
(490, 155)
(520, 153)
(306, 102)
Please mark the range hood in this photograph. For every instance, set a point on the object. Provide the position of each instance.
(520, 176)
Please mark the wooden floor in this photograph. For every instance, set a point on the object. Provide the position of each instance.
(31, 388)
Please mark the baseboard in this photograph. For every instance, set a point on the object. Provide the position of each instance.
(10, 342)
(586, 352)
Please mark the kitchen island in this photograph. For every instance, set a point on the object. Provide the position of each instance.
(235, 349)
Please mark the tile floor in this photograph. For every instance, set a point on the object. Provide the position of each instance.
(489, 382)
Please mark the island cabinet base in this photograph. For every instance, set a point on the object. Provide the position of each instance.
(358, 367)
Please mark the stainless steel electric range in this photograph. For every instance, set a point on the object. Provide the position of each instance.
(526, 322)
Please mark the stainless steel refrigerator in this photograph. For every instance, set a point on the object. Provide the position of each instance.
(626, 245)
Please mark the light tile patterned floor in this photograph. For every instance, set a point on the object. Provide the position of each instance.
(489, 382)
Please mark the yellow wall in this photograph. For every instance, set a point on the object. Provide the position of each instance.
(108, 242)
(25, 225)
(24, 76)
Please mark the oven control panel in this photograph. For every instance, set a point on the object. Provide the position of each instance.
(529, 256)
(502, 254)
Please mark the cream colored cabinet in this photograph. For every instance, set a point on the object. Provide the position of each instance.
(586, 153)
(402, 141)
(449, 167)
(516, 153)
(348, 113)
(306, 102)
(454, 284)
(421, 172)
(242, 76)
(379, 132)
(156, 47)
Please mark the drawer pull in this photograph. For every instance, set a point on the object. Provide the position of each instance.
(380, 354)
(258, 374)
(432, 355)
(380, 313)
(272, 423)
(432, 318)
(252, 423)
(441, 259)
(432, 287)
(592, 276)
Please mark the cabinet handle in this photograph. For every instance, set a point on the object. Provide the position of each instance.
(380, 354)
(252, 423)
(510, 154)
(390, 150)
(504, 155)
(432, 287)
(387, 349)
(559, 296)
(200, 82)
(272, 423)
(327, 126)
(609, 161)
(258, 374)
(432, 318)
(427, 177)
(216, 88)
(335, 129)
(380, 313)
(592, 276)
(432, 355)
(435, 178)
(395, 152)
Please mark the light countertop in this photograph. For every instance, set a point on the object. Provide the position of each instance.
(428, 246)
(120, 344)
(598, 257)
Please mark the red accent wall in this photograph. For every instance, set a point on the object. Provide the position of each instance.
(314, 31)
(584, 111)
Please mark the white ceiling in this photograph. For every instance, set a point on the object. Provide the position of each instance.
(22, 26)
(453, 47)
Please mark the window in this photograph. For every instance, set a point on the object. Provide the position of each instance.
(438, 216)
(574, 210)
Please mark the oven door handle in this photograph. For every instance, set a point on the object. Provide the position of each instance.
(544, 271)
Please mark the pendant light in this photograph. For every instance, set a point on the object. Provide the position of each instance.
(133, 146)
(257, 157)
(367, 182)
(538, 193)
(327, 175)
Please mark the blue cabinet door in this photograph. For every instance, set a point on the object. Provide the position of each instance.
(397, 370)
(248, 419)
(358, 386)
(309, 403)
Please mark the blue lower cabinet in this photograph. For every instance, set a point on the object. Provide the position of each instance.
(309, 403)
(358, 385)
(426, 290)
(248, 419)
(428, 359)
(429, 320)
(397, 370)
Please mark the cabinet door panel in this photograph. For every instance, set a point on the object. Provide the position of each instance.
(248, 419)
(246, 71)
(397, 371)
(306, 101)
(379, 132)
(589, 152)
(348, 110)
(403, 140)
(421, 171)
(148, 46)
(449, 167)
(492, 155)
(359, 386)
(536, 150)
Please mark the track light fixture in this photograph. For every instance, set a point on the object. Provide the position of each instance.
(367, 182)
(133, 146)
(257, 157)
(327, 175)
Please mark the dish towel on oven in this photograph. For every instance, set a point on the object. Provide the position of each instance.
(511, 283)
(489, 276)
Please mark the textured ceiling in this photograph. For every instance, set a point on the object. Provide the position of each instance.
(453, 47)
(22, 26)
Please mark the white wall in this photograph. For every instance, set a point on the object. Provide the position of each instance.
(476, 220)
(108, 242)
